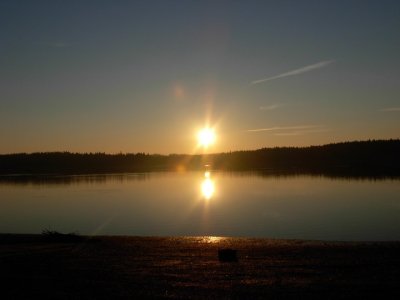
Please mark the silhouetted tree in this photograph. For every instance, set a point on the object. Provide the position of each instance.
(373, 157)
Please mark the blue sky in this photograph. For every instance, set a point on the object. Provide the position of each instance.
(144, 76)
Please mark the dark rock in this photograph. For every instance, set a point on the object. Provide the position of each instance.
(227, 255)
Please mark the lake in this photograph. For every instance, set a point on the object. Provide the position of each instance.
(196, 203)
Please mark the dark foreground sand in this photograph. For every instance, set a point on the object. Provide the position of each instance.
(181, 268)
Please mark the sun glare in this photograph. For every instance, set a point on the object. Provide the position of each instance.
(206, 137)
(207, 188)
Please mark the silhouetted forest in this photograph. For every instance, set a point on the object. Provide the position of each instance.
(374, 158)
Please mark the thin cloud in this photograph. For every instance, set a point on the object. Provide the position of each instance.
(299, 71)
(302, 132)
(390, 109)
(55, 44)
(60, 45)
(271, 107)
(282, 128)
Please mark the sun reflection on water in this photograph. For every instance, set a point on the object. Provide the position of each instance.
(211, 239)
(207, 186)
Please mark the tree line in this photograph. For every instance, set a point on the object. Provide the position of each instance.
(372, 158)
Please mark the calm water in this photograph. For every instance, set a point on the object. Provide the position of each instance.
(220, 204)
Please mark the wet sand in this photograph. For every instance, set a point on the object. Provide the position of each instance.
(188, 268)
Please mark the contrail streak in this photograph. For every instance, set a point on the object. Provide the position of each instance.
(300, 127)
(302, 70)
(390, 109)
(270, 107)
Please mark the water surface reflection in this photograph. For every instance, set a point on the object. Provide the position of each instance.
(207, 186)
(172, 204)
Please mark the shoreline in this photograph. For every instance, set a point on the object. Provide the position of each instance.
(188, 267)
(369, 158)
(38, 237)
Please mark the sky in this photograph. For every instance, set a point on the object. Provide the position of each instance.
(145, 76)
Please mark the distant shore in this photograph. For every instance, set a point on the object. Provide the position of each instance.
(374, 159)
(108, 267)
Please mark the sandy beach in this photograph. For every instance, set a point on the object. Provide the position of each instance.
(188, 267)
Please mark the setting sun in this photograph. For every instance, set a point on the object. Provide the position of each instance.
(206, 137)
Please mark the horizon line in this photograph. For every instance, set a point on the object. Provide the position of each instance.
(187, 154)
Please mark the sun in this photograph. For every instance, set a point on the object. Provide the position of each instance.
(206, 137)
